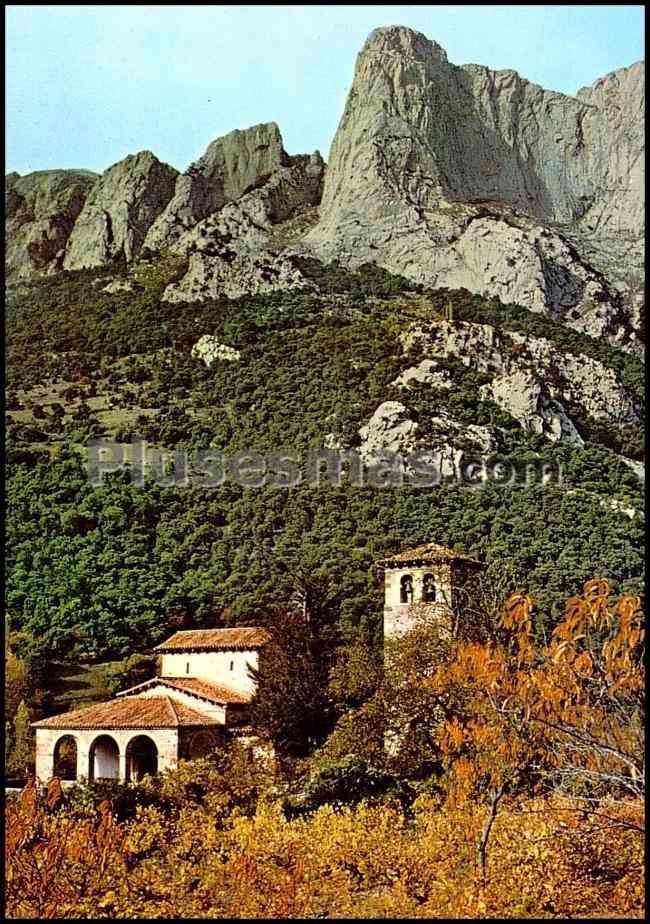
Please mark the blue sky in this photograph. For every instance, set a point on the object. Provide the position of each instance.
(87, 85)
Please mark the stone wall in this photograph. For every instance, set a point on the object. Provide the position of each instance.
(214, 666)
(165, 739)
(399, 617)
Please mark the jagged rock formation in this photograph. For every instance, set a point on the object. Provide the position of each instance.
(232, 251)
(526, 397)
(530, 378)
(390, 432)
(40, 211)
(462, 176)
(119, 210)
(230, 167)
(451, 176)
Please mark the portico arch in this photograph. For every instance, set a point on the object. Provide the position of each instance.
(64, 758)
(202, 743)
(104, 759)
(141, 758)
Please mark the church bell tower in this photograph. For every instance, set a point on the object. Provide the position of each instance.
(421, 582)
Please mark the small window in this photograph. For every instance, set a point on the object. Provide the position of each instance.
(406, 589)
(428, 589)
(187, 667)
(232, 665)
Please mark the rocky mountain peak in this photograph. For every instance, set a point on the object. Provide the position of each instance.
(436, 171)
(231, 165)
(402, 41)
(41, 209)
(452, 176)
(119, 210)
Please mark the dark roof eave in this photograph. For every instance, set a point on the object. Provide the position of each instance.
(161, 680)
(107, 727)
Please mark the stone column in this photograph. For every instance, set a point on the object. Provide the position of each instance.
(83, 757)
(418, 578)
(167, 744)
(123, 761)
(45, 742)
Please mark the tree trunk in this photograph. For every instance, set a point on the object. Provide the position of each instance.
(487, 827)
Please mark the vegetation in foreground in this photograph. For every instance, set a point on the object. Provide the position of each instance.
(513, 786)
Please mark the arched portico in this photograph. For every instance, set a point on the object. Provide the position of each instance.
(104, 759)
(64, 758)
(123, 739)
(141, 758)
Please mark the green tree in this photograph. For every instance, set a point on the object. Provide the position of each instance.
(290, 707)
(22, 756)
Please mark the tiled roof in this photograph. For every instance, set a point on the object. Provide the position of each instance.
(428, 553)
(205, 689)
(130, 712)
(215, 639)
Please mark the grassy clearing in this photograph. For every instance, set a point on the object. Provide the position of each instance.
(75, 684)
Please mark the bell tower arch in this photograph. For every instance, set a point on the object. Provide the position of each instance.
(424, 581)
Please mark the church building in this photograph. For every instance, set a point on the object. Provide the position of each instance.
(203, 692)
(201, 696)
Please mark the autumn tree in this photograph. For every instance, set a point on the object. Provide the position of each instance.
(565, 719)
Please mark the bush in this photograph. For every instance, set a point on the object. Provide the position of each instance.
(346, 782)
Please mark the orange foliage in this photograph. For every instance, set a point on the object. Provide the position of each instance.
(545, 859)
(56, 862)
(565, 718)
(542, 813)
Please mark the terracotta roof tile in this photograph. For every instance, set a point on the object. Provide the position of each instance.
(130, 712)
(430, 552)
(205, 689)
(213, 639)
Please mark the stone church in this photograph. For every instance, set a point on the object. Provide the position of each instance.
(201, 695)
(204, 689)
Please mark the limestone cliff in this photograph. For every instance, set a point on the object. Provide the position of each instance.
(237, 250)
(545, 390)
(454, 176)
(119, 210)
(450, 175)
(229, 168)
(40, 211)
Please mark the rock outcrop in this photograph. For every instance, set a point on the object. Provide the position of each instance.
(209, 349)
(233, 251)
(425, 373)
(392, 436)
(40, 211)
(462, 176)
(119, 210)
(525, 396)
(230, 167)
(529, 377)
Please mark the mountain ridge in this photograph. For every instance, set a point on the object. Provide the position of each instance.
(454, 176)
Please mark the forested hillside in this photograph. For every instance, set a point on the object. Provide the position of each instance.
(100, 572)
